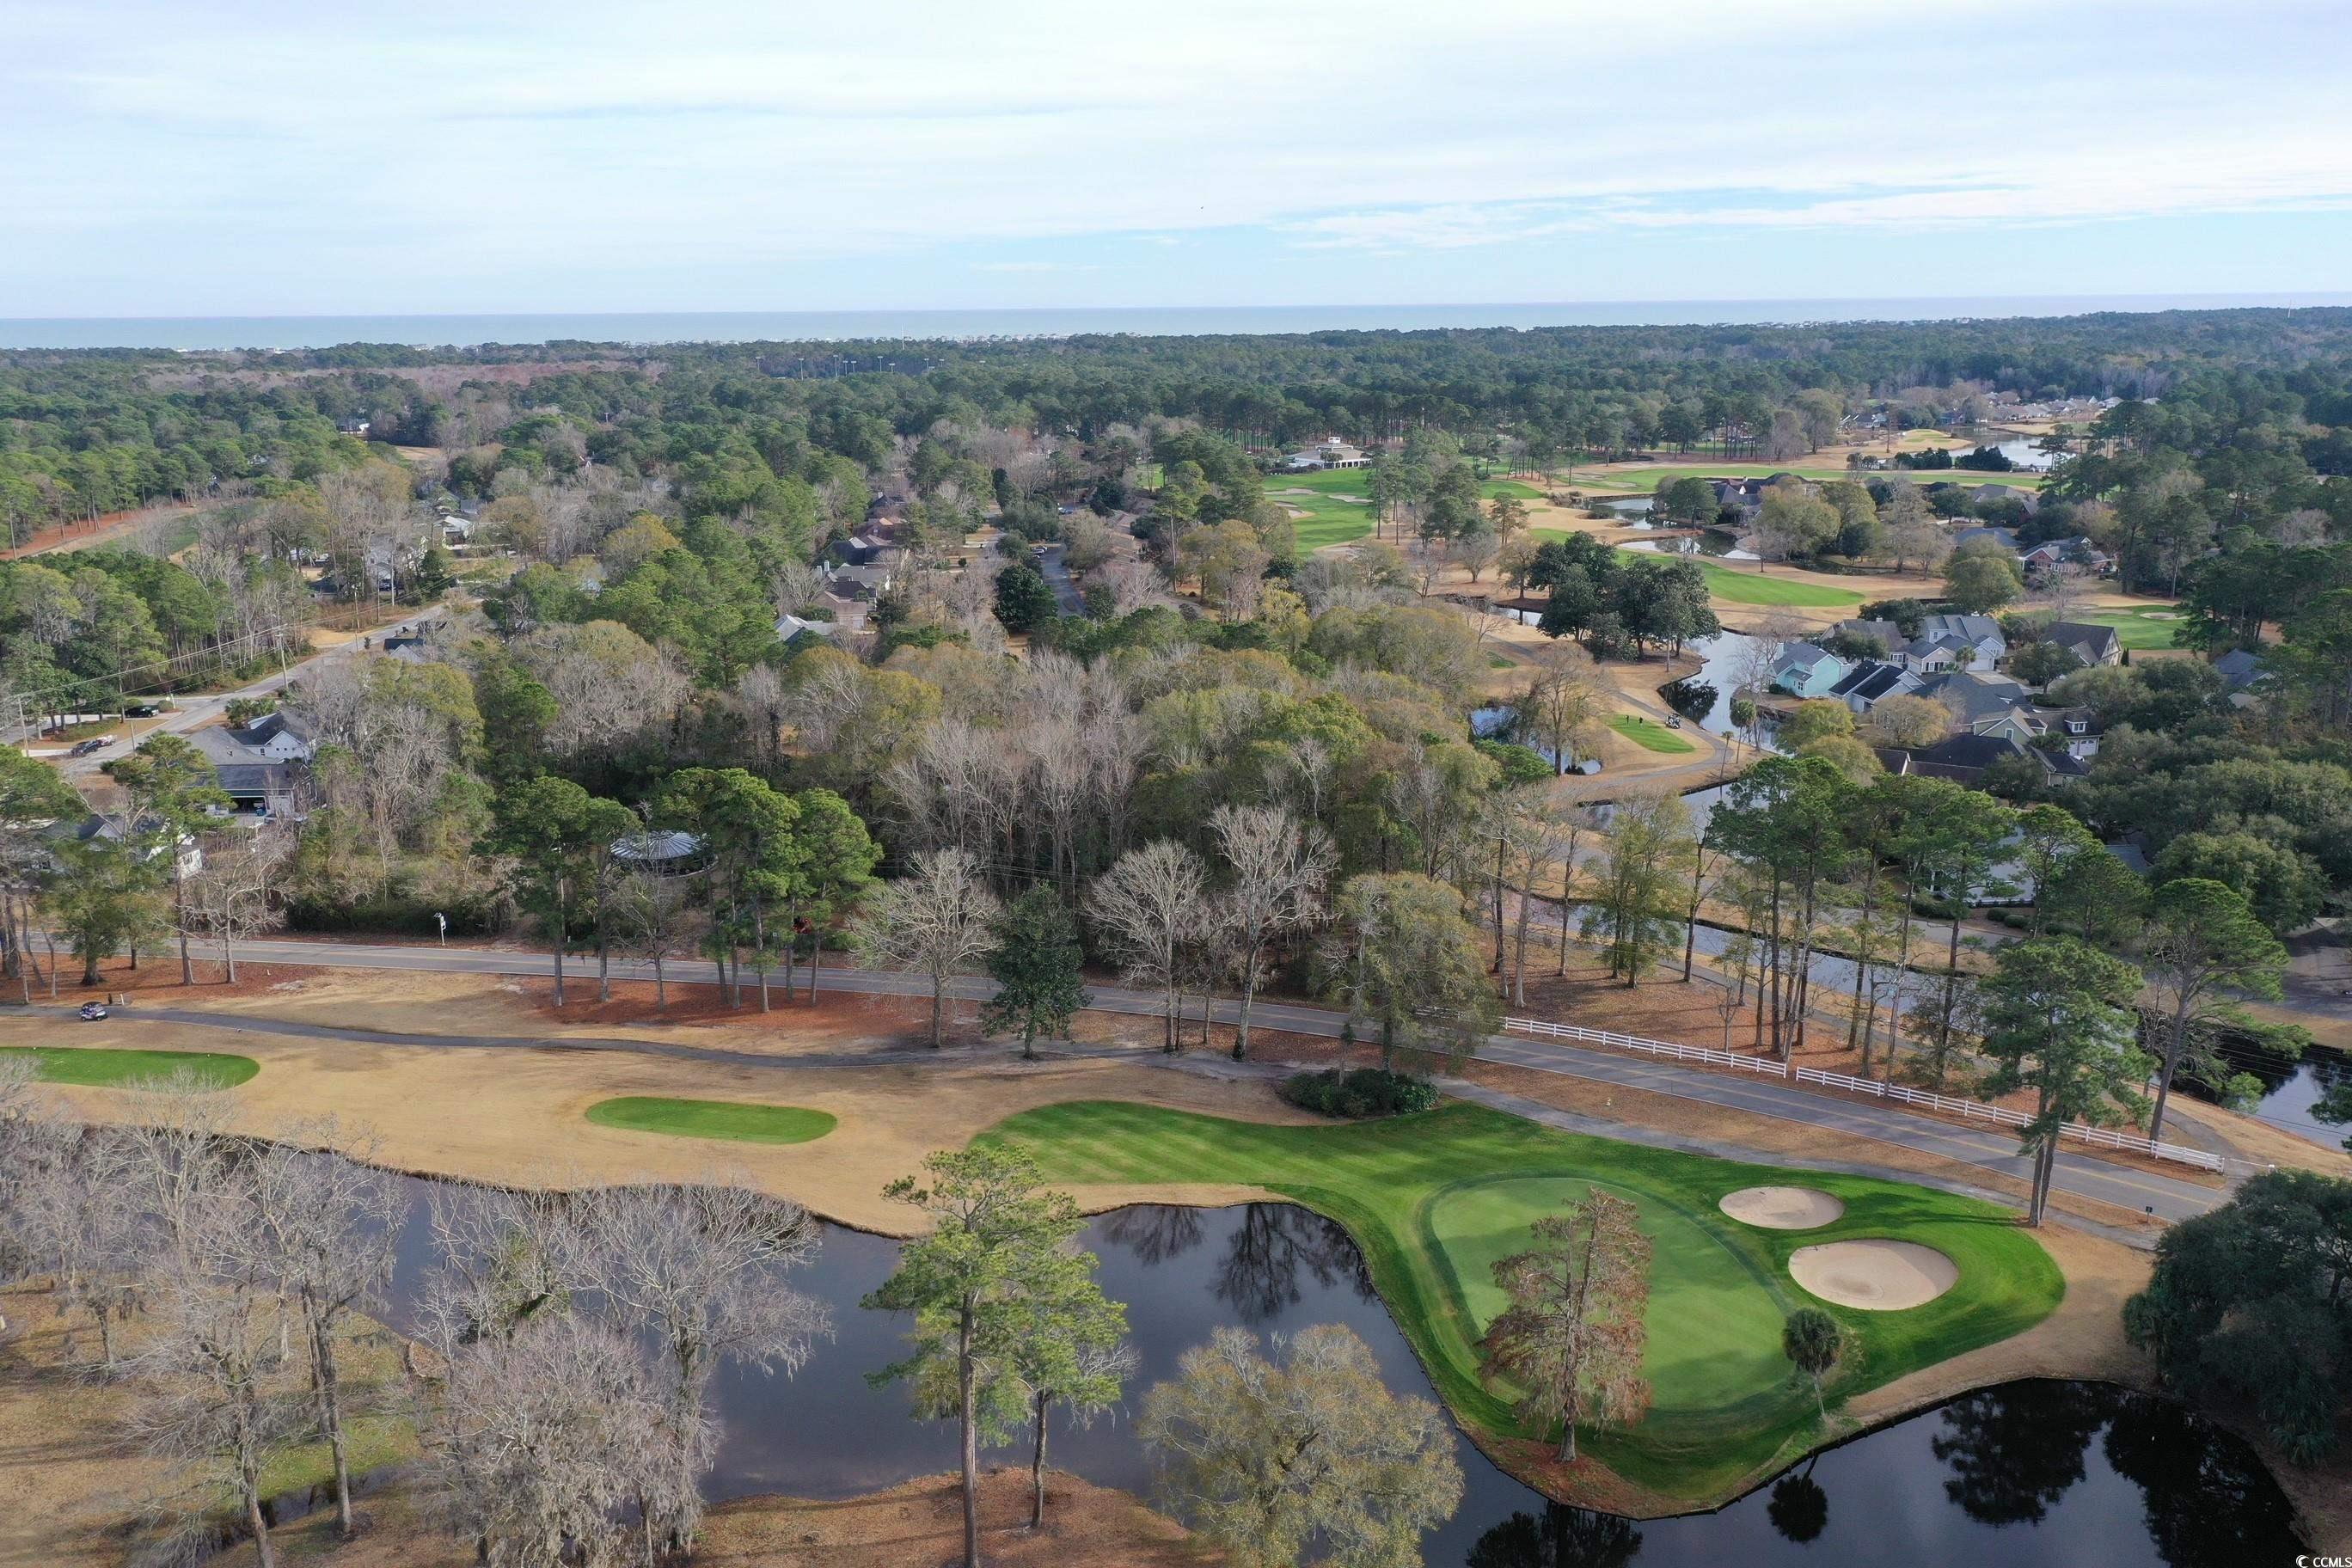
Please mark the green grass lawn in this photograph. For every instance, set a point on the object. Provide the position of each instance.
(1333, 518)
(1435, 1199)
(1646, 480)
(2139, 627)
(1755, 588)
(1649, 735)
(728, 1118)
(108, 1069)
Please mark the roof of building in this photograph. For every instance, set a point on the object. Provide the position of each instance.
(2240, 666)
(1872, 680)
(1804, 655)
(1888, 634)
(1969, 628)
(657, 847)
(1973, 696)
(2081, 635)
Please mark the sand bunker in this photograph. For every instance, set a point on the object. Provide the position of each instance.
(1781, 1208)
(1875, 1276)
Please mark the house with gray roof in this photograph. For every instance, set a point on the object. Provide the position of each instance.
(1805, 670)
(1973, 696)
(1872, 682)
(2091, 644)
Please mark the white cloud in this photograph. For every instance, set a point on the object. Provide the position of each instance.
(493, 154)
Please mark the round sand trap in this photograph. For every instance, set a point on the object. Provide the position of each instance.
(1875, 1276)
(1781, 1208)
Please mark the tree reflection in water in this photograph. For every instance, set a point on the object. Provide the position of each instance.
(2208, 1501)
(2015, 1449)
(1154, 1232)
(1273, 1246)
(1800, 1509)
(1563, 1537)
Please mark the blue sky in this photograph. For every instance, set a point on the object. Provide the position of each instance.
(192, 158)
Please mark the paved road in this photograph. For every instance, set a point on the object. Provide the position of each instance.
(1053, 566)
(1859, 1121)
(194, 712)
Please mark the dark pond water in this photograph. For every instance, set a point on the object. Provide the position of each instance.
(2030, 1474)
(2290, 1089)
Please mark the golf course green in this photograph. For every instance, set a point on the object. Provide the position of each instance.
(1434, 1200)
(1649, 735)
(734, 1121)
(101, 1068)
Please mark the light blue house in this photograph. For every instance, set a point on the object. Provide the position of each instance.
(1806, 670)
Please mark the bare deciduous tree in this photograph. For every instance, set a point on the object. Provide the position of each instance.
(212, 1409)
(326, 1226)
(1280, 870)
(699, 1270)
(1152, 906)
(232, 898)
(648, 912)
(938, 921)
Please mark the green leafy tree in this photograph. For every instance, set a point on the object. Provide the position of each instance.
(1037, 967)
(750, 831)
(1414, 965)
(1266, 1455)
(1070, 1353)
(33, 797)
(104, 898)
(2252, 1304)
(1978, 583)
(2058, 1021)
(1814, 1344)
(1572, 1336)
(169, 786)
(2201, 948)
(997, 1258)
(554, 830)
(1634, 905)
(1024, 600)
(836, 861)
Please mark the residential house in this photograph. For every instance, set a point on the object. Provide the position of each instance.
(257, 765)
(1965, 759)
(1744, 497)
(1330, 453)
(2091, 645)
(1804, 669)
(864, 583)
(1945, 642)
(2004, 537)
(1972, 696)
(2240, 667)
(2078, 552)
(2073, 731)
(1872, 682)
(191, 855)
(858, 549)
(789, 626)
(1982, 494)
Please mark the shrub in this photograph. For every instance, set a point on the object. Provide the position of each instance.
(1363, 1092)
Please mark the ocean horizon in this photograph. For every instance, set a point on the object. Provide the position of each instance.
(193, 333)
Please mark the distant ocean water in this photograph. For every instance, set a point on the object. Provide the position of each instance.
(843, 326)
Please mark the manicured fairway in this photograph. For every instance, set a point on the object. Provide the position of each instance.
(1647, 480)
(112, 1069)
(732, 1120)
(1435, 1199)
(1332, 517)
(1754, 588)
(1649, 735)
(2140, 627)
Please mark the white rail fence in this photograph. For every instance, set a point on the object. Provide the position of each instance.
(1919, 1099)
